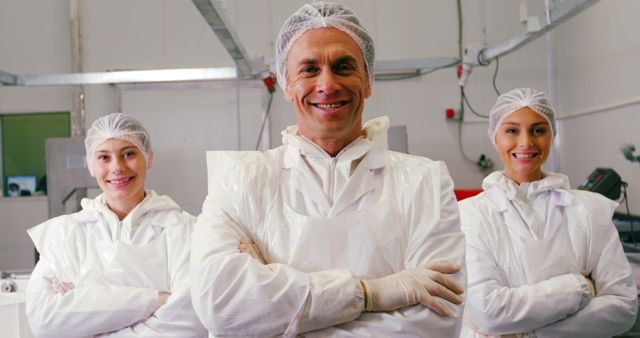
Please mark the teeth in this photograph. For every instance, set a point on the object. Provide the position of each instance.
(330, 105)
(524, 155)
(120, 181)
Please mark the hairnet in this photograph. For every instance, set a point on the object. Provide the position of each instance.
(118, 126)
(518, 98)
(322, 15)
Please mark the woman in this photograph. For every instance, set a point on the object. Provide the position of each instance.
(543, 260)
(119, 267)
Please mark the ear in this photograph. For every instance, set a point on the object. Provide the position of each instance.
(287, 93)
(150, 159)
(367, 90)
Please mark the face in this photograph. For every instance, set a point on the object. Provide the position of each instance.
(523, 141)
(327, 83)
(120, 169)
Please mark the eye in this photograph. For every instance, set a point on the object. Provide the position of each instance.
(539, 131)
(344, 68)
(102, 157)
(510, 130)
(129, 154)
(309, 69)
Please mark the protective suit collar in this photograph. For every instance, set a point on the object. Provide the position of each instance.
(304, 159)
(510, 190)
(515, 202)
(375, 133)
(93, 209)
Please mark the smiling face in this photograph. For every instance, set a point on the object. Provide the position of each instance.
(120, 169)
(523, 141)
(327, 83)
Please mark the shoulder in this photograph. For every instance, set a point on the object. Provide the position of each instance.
(597, 208)
(476, 212)
(415, 169)
(55, 231)
(241, 165)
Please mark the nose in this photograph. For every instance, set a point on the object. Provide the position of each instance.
(117, 165)
(327, 83)
(525, 140)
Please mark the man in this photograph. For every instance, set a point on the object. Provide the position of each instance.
(330, 234)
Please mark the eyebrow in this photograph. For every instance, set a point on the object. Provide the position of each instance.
(103, 151)
(534, 124)
(342, 59)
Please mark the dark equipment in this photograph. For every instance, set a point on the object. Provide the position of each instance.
(604, 181)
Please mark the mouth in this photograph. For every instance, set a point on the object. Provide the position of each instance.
(524, 155)
(330, 106)
(120, 181)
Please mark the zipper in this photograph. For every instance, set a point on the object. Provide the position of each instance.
(332, 173)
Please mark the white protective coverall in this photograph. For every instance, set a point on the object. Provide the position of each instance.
(118, 268)
(526, 244)
(322, 224)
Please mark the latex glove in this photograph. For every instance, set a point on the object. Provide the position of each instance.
(60, 286)
(414, 286)
(251, 248)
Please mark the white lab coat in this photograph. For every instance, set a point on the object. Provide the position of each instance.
(321, 223)
(525, 245)
(118, 268)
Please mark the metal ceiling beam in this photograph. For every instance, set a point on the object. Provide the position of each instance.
(563, 11)
(133, 76)
(213, 14)
(8, 79)
(413, 65)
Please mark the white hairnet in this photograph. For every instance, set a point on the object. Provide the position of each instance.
(118, 126)
(518, 98)
(322, 15)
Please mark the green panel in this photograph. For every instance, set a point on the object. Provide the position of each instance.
(23, 142)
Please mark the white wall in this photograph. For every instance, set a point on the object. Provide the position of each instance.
(596, 61)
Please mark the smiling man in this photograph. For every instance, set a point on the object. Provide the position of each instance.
(331, 234)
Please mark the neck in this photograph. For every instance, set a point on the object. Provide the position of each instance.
(520, 178)
(122, 207)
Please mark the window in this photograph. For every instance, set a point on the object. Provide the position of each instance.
(23, 145)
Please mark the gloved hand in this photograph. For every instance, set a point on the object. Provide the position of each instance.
(60, 286)
(414, 286)
(251, 248)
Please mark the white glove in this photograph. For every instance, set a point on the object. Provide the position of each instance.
(414, 286)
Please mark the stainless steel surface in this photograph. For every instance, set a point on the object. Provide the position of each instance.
(66, 172)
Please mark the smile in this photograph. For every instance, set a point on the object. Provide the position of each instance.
(516, 155)
(330, 106)
(120, 180)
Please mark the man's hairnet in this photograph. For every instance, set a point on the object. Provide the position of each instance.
(518, 98)
(322, 15)
(118, 126)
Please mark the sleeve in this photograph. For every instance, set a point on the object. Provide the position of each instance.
(497, 308)
(84, 311)
(431, 213)
(176, 318)
(613, 310)
(233, 294)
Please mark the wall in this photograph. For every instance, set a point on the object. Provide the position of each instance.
(187, 119)
(598, 67)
